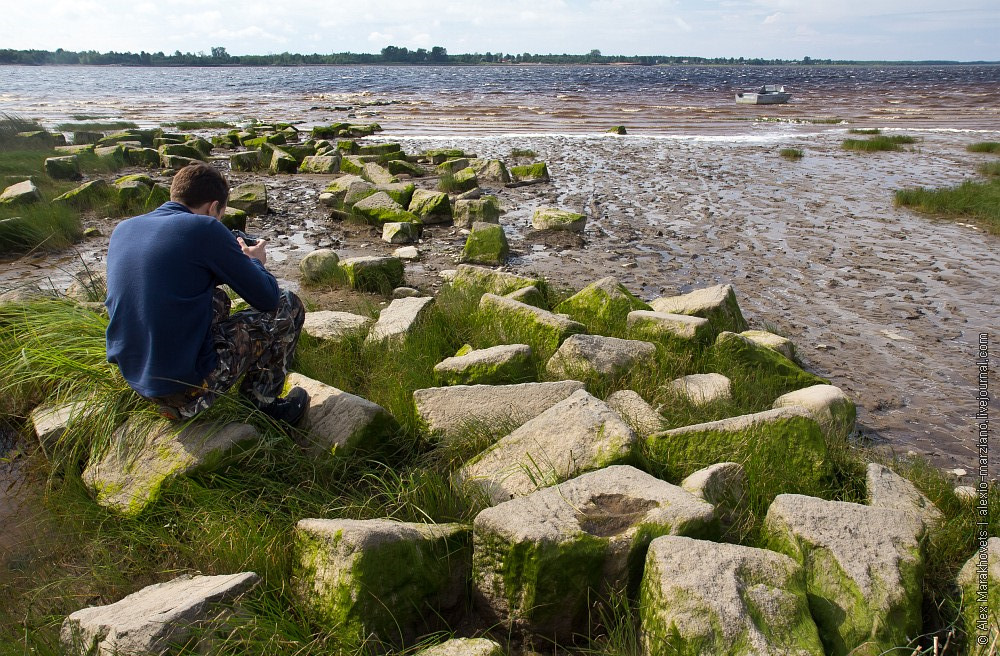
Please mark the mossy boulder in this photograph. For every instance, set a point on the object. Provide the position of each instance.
(701, 389)
(834, 411)
(128, 480)
(451, 166)
(282, 162)
(88, 195)
(439, 155)
(864, 570)
(553, 218)
(769, 368)
(329, 325)
(22, 193)
(536, 173)
(979, 582)
(251, 197)
(430, 206)
(146, 157)
(497, 365)
(602, 306)
(85, 137)
(235, 219)
(476, 210)
(320, 164)
(319, 266)
(599, 358)
(379, 208)
(782, 345)
(66, 167)
(700, 597)
(718, 304)
(249, 160)
(373, 273)
(782, 440)
(400, 233)
(131, 194)
(515, 322)
(202, 145)
(180, 150)
(463, 180)
(403, 167)
(618, 129)
(399, 320)
(78, 149)
(176, 162)
(486, 244)
(331, 131)
(491, 171)
(887, 489)
(679, 329)
(481, 279)
(379, 580)
(379, 149)
(540, 561)
(376, 174)
(530, 296)
(401, 192)
(344, 191)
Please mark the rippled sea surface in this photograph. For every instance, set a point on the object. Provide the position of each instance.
(658, 100)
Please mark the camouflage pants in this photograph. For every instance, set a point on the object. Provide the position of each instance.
(259, 346)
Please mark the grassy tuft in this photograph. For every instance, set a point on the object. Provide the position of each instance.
(97, 126)
(793, 154)
(879, 143)
(523, 152)
(864, 131)
(985, 147)
(11, 124)
(989, 168)
(974, 201)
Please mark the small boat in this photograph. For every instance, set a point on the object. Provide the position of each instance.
(769, 94)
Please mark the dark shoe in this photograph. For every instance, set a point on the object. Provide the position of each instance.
(290, 409)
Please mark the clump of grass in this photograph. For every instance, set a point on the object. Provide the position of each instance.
(38, 226)
(792, 154)
(824, 121)
(447, 183)
(206, 124)
(97, 126)
(984, 147)
(974, 201)
(989, 168)
(864, 131)
(522, 152)
(879, 143)
(11, 125)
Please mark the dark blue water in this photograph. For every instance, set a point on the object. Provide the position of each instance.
(498, 99)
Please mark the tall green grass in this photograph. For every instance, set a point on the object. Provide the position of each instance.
(984, 147)
(978, 202)
(878, 143)
(864, 131)
(989, 168)
(792, 154)
(97, 126)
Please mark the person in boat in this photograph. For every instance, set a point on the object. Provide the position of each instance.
(170, 331)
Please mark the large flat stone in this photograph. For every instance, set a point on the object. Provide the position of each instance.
(702, 389)
(486, 280)
(586, 357)
(146, 455)
(642, 417)
(496, 365)
(338, 423)
(717, 304)
(513, 321)
(979, 582)
(887, 489)
(603, 304)
(700, 597)
(399, 319)
(328, 324)
(151, 621)
(681, 327)
(834, 411)
(577, 435)
(464, 647)
(538, 560)
(451, 411)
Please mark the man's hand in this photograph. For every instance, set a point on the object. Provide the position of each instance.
(257, 251)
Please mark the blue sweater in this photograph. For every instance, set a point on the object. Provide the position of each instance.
(163, 268)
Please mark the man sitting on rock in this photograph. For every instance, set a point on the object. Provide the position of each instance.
(170, 330)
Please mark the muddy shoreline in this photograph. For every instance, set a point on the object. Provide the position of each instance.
(886, 303)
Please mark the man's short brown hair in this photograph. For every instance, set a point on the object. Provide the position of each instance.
(197, 184)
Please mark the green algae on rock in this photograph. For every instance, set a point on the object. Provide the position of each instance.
(602, 306)
(251, 197)
(512, 321)
(430, 206)
(486, 244)
(497, 365)
(373, 273)
(767, 367)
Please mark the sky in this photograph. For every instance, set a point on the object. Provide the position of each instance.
(962, 30)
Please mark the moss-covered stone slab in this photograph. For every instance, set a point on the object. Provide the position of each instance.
(66, 167)
(332, 325)
(146, 157)
(464, 180)
(512, 322)
(451, 412)
(701, 597)
(603, 304)
(979, 582)
(677, 327)
(452, 165)
(282, 161)
(338, 423)
(481, 279)
(320, 265)
(85, 137)
(786, 439)
(718, 304)
(540, 561)
(782, 345)
(379, 580)
(529, 296)
(88, 195)
(345, 191)
(430, 206)
(180, 150)
(400, 233)
(320, 164)
(379, 149)
(251, 197)
(595, 357)
(702, 389)
(144, 137)
(401, 192)
(146, 455)
(372, 273)
(399, 319)
(497, 365)
(486, 244)
(235, 219)
(379, 208)
(51, 421)
(724, 485)
(770, 367)
(77, 149)
(864, 570)
(633, 409)
(553, 218)
(22, 193)
(176, 162)
(402, 167)
(202, 145)
(834, 411)
(536, 173)
(157, 618)
(465, 647)
(490, 171)
(439, 155)
(376, 174)
(477, 210)
(576, 435)
(132, 193)
(352, 164)
(887, 489)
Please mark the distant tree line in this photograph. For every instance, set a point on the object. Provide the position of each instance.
(217, 56)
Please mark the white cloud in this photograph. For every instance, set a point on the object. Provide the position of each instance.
(681, 23)
(773, 18)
